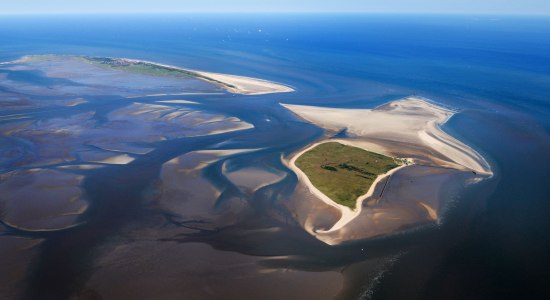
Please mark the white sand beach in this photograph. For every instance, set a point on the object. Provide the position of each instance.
(232, 83)
(247, 85)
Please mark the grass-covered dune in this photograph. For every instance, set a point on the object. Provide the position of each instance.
(341, 172)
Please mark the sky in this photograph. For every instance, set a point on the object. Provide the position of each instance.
(287, 6)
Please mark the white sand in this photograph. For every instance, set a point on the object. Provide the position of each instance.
(81, 167)
(242, 85)
(122, 159)
(178, 102)
(227, 152)
(411, 121)
(236, 126)
(247, 85)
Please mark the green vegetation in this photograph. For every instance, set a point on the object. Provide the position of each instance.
(147, 68)
(343, 173)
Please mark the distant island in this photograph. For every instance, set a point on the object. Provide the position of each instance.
(232, 83)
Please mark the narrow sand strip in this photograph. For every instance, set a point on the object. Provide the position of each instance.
(247, 85)
(178, 102)
(232, 83)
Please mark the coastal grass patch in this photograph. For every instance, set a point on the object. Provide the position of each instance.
(147, 68)
(139, 67)
(342, 172)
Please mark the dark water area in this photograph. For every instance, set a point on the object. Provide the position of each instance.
(492, 242)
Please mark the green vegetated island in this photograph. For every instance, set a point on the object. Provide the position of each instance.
(148, 68)
(235, 84)
(343, 173)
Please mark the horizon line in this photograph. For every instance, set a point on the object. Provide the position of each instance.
(275, 13)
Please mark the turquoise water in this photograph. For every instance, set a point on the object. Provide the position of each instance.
(494, 70)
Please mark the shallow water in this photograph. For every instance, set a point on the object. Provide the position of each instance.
(495, 71)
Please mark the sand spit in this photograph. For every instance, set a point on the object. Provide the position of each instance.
(178, 102)
(232, 83)
(407, 128)
(247, 85)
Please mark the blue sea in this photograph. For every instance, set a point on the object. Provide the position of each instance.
(495, 70)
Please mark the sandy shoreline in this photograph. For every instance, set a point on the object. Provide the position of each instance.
(347, 213)
(411, 122)
(241, 84)
(247, 85)
(232, 83)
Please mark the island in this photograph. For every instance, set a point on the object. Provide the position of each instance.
(389, 170)
(231, 83)
(342, 172)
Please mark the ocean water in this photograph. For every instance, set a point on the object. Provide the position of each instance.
(493, 240)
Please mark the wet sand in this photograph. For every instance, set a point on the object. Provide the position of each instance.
(82, 138)
(151, 257)
(51, 200)
(171, 270)
(17, 255)
(409, 129)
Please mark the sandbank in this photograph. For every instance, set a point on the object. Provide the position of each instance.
(232, 83)
(405, 128)
(413, 121)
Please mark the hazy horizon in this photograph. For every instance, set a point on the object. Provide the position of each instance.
(513, 7)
